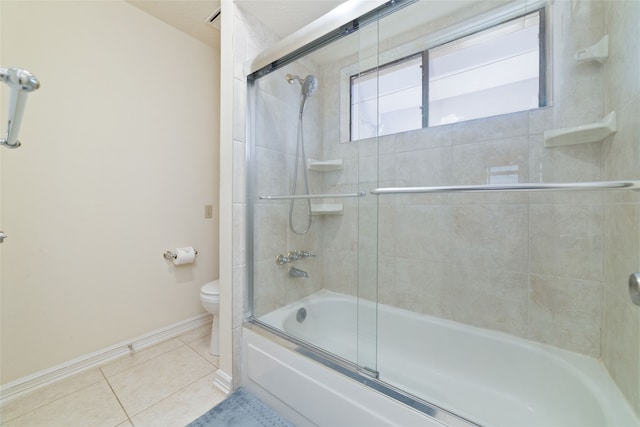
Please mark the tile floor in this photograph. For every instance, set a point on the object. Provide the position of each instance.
(169, 384)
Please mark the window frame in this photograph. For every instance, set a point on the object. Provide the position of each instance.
(542, 64)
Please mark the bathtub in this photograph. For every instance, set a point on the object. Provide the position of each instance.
(486, 377)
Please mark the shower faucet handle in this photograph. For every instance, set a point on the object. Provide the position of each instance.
(292, 256)
(282, 260)
(296, 255)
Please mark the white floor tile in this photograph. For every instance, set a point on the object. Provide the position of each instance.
(92, 406)
(48, 394)
(183, 406)
(202, 345)
(168, 384)
(144, 385)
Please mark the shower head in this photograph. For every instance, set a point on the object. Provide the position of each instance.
(308, 86)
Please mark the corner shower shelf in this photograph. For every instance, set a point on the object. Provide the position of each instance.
(584, 134)
(327, 209)
(599, 52)
(325, 165)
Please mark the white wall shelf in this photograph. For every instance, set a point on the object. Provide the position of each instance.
(584, 134)
(599, 52)
(327, 209)
(325, 165)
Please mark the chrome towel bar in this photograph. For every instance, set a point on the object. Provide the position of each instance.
(313, 196)
(564, 186)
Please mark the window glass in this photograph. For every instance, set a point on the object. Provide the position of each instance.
(491, 72)
(387, 100)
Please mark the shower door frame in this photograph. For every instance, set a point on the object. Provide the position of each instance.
(285, 54)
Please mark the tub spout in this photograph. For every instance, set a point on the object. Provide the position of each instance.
(295, 272)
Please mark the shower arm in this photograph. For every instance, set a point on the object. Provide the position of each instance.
(21, 82)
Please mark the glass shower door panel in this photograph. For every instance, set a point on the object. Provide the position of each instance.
(304, 268)
(368, 216)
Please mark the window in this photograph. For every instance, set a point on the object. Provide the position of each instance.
(387, 100)
(493, 71)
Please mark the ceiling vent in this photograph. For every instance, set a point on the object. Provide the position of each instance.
(214, 19)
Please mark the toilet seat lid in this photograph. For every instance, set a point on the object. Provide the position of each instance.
(211, 288)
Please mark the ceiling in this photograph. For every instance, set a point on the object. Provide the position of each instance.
(188, 16)
(283, 17)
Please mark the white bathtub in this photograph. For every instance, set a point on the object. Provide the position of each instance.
(490, 378)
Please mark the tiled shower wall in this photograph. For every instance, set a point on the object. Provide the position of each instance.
(276, 127)
(526, 264)
(621, 324)
(551, 267)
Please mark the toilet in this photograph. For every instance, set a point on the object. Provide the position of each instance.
(210, 298)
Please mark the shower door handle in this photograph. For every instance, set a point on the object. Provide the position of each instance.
(634, 288)
(2, 236)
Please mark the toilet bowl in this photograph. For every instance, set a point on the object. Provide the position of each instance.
(210, 298)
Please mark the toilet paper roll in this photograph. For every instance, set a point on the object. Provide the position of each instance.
(184, 256)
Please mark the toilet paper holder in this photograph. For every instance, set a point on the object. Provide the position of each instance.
(170, 255)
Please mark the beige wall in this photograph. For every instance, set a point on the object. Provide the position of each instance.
(119, 156)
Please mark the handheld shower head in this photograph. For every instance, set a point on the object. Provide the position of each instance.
(309, 85)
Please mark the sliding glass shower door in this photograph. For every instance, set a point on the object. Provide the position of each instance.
(313, 225)
(467, 170)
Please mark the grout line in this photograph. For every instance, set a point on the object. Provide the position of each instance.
(175, 392)
(182, 345)
(164, 398)
(116, 396)
(48, 401)
(203, 356)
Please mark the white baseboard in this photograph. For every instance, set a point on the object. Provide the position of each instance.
(222, 381)
(83, 363)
